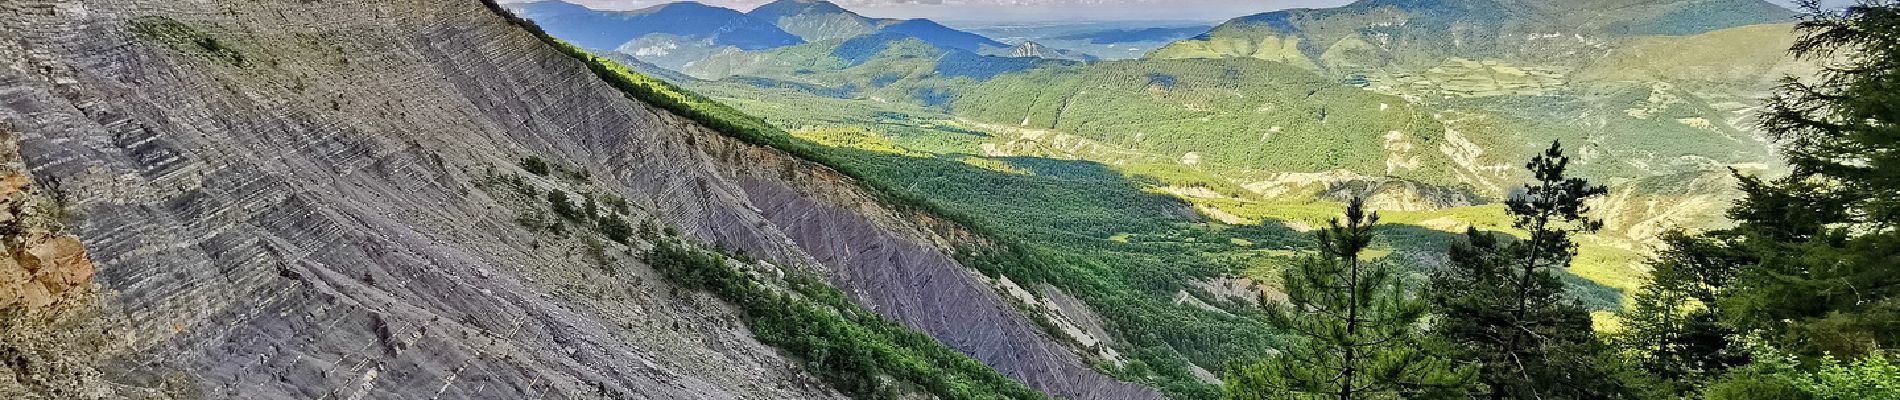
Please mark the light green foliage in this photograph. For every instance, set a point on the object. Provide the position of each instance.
(1755, 386)
(1233, 114)
(1777, 375)
(1424, 32)
(1246, 41)
(884, 68)
(1875, 376)
(1101, 232)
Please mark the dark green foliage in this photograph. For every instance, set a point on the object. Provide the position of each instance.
(1844, 128)
(185, 38)
(1825, 235)
(589, 206)
(648, 230)
(616, 203)
(855, 350)
(616, 229)
(1357, 328)
(1672, 330)
(1809, 268)
(1551, 209)
(536, 165)
(563, 207)
(1811, 259)
(1505, 308)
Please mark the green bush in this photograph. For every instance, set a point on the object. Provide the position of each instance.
(535, 165)
(565, 208)
(616, 229)
(1754, 386)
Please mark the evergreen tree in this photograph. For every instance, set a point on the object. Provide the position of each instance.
(1811, 266)
(1825, 240)
(1356, 328)
(1673, 328)
(1844, 127)
(1504, 307)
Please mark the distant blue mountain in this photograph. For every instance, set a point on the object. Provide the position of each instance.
(817, 20)
(942, 36)
(606, 30)
(1136, 35)
(791, 8)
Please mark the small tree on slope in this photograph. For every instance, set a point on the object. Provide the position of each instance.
(1504, 307)
(1356, 329)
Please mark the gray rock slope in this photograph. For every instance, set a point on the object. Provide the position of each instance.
(284, 199)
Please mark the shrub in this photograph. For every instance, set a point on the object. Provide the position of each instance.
(535, 165)
(1754, 386)
(564, 207)
(616, 229)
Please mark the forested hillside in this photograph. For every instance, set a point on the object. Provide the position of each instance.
(1181, 184)
(1385, 200)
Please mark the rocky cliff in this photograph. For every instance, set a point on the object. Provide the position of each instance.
(286, 199)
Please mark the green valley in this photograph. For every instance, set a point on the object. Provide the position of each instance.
(1169, 194)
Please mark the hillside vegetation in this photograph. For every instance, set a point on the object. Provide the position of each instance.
(1144, 187)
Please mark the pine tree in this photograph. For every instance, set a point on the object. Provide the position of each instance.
(1826, 235)
(1844, 127)
(1811, 265)
(1672, 329)
(1504, 307)
(1357, 330)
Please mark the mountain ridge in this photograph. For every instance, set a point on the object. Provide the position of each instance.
(1416, 32)
(604, 30)
(817, 20)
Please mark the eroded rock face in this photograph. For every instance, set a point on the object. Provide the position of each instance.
(51, 336)
(44, 272)
(42, 268)
(286, 200)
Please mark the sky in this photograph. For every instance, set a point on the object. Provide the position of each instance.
(1035, 10)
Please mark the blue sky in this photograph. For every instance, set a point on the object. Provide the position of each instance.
(1036, 10)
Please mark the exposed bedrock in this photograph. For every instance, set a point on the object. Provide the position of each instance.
(283, 200)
